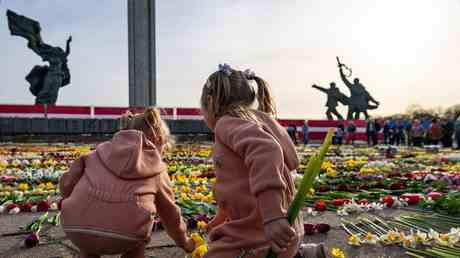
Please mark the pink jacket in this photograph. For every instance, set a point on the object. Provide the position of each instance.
(116, 190)
(253, 181)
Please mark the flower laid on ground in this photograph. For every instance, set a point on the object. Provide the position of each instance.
(337, 253)
(370, 238)
(201, 246)
(354, 240)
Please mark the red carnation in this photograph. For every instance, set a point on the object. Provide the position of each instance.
(43, 206)
(320, 206)
(26, 207)
(389, 201)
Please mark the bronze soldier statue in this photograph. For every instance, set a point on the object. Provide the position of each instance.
(45, 81)
(359, 101)
(333, 97)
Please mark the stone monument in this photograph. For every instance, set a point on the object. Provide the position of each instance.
(142, 53)
(45, 80)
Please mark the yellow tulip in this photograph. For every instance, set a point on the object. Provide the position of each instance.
(201, 225)
(200, 251)
(49, 186)
(197, 239)
(23, 186)
(337, 253)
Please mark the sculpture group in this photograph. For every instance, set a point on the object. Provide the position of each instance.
(45, 80)
(359, 102)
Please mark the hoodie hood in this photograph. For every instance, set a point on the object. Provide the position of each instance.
(130, 155)
(279, 133)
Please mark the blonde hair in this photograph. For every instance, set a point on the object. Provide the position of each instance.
(150, 123)
(232, 94)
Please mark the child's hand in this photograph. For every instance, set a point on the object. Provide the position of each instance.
(189, 245)
(219, 219)
(280, 234)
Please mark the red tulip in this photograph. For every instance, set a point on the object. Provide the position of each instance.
(322, 228)
(320, 206)
(412, 199)
(11, 206)
(434, 195)
(338, 202)
(323, 188)
(26, 207)
(32, 240)
(43, 206)
(389, 201)
(309, 229)
(363, 187)
(343, 187)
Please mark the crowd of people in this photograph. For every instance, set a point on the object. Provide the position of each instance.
(416, 132)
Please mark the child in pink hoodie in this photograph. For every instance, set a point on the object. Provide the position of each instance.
(253, 158)
(112, 194)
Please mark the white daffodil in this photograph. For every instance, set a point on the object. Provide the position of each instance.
(370, 238)
(391, 237)
(409, 241)
(342, 212)
(421, 238)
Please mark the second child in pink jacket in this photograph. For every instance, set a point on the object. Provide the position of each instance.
(112, 194)
(253, 157)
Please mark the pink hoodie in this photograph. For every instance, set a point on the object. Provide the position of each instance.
(116, 190)
(253, 184)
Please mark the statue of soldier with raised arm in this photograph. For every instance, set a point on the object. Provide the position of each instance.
(334, 96)
(359, 101)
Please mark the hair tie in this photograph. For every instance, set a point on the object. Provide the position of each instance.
(249, 74)
(225, 68)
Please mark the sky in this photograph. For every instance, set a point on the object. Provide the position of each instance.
(404, 52)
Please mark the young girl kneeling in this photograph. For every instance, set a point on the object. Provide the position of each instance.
(112, 194)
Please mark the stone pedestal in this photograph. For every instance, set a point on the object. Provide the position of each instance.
(142, 53)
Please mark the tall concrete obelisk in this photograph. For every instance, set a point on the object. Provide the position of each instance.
(142, 53)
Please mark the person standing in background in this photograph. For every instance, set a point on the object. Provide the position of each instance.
(448, 129)
(457, 133)
(417, 133)
(305, 132)
(386, 131)
(351, 133)
(372, 130)
(426, 125)
(407, 131)
(435, 133)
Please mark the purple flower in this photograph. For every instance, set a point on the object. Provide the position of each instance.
(32, 240)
